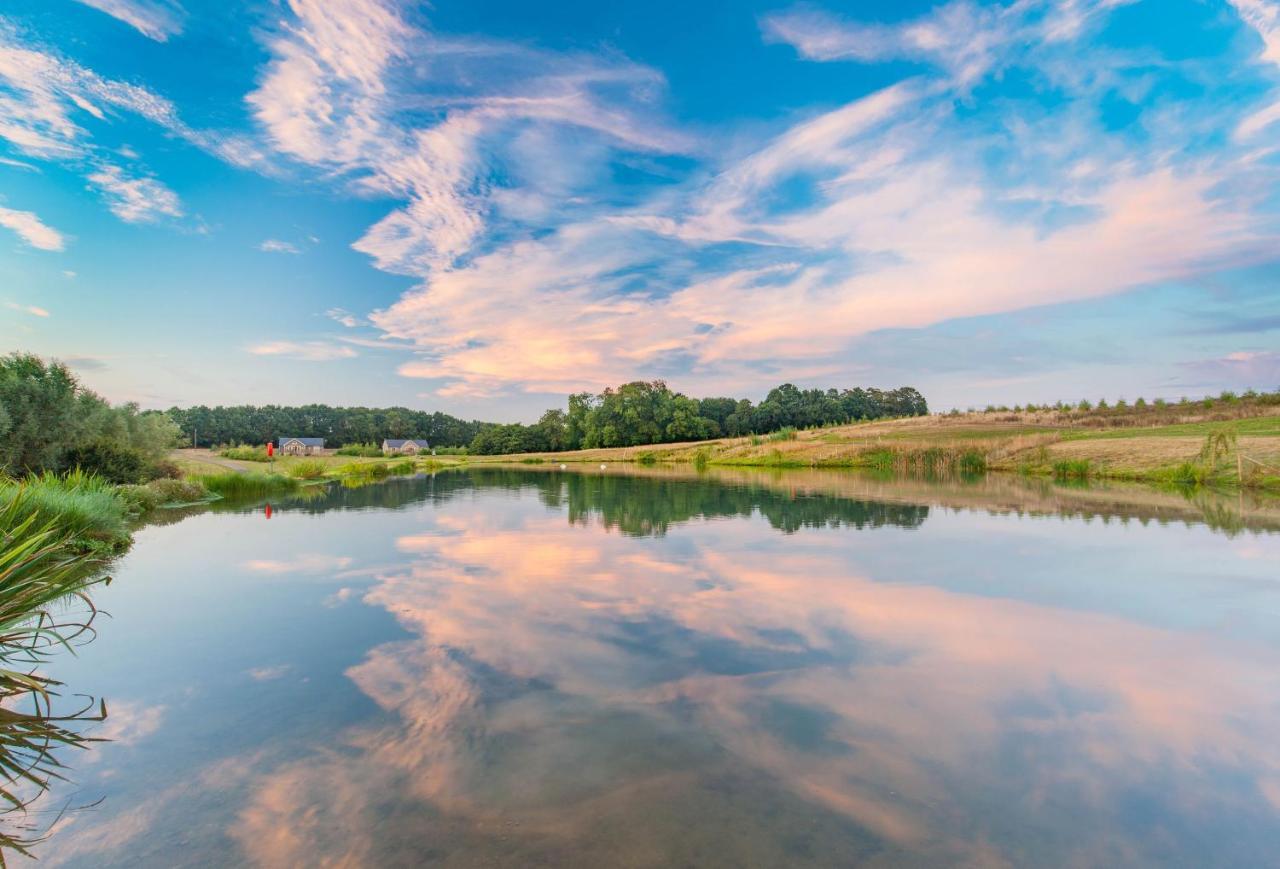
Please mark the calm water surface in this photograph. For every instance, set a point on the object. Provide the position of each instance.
(533, 668)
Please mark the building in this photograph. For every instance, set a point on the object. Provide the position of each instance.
(406, 447)
(301, 446)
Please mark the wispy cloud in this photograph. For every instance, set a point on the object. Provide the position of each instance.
(155, 19)
(27, 309)
(342, 316)
(904, 208)
(308, 351)
(31, 229)
(273, 245)
(135, 199)
(1241, 369)
(344, 72)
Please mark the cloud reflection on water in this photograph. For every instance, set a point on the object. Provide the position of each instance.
(576, 695)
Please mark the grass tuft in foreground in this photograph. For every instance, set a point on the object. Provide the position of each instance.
(42, 572)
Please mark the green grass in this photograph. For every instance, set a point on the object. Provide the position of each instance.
(787, 433)
(1073, 469)
(306, 469)
(1263, 426)
(251, 484)
(89, 510)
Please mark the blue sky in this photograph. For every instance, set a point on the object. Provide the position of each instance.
(479, 207)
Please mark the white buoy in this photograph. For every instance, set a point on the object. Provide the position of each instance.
(562, 466)
(602, 467)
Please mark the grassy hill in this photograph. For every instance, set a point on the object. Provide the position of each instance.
(1227, 441)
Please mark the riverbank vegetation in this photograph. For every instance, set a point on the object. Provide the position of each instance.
(1159, 442)
(50, 423)
(339, 426)
(646, 413)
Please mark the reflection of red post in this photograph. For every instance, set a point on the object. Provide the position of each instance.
(268, 511)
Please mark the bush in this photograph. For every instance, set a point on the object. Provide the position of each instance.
(787, 433)
(646, 458)
(164, 470)
(110, 461)
(246, 454)
(366, 451)
(178, 491)
(306, 469)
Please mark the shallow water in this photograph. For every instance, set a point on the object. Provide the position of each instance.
(527, 667)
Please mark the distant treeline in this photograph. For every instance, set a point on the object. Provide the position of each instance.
(643, 412)
(246, 424)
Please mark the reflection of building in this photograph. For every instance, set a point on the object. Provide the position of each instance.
(301, 446)
(407, 447)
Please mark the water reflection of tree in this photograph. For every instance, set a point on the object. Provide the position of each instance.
(41, 584)
(640, 503)
(645, 507)
(637, 506)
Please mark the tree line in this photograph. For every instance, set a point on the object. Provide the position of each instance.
(649, 412)
(50, 422)
(339, 426)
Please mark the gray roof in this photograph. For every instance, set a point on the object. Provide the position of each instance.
(306, 442)
(395, 443)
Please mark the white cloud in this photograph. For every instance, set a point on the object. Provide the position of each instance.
(27, 309)
(31, 229)
(308, 351)
(967, 40)
(268, 674)
(914, 208)
(342, 73)
(1264, 17)
(272, 245)
(154, 19)
(306, 563)
(135, 199)
(340, 315)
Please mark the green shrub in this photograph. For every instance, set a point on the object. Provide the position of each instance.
(306, 469)
(110, 461)
(365, 451)
(972, 462)
(788, 433)
(1072, 469)
(702, 458)
(246, 454)
(646, 458)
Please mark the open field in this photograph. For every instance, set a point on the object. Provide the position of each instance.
(199, 462)
(1162, 444)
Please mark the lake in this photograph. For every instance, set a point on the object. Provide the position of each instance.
(529, 667)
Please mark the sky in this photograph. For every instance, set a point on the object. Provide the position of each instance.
(479, 207)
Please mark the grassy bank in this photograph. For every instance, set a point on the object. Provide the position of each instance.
(1225, 442)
